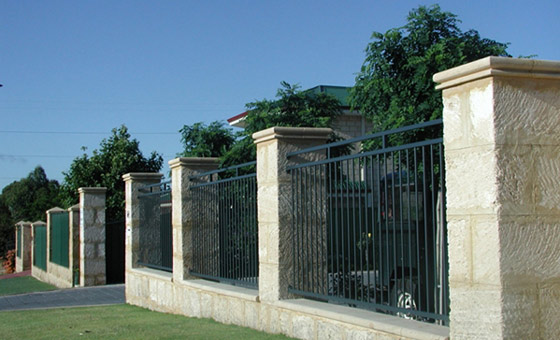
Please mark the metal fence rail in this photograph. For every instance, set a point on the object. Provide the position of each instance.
(155, 230)
(225, 228)
(369, 228)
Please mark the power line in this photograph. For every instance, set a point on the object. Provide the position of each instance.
(82, 132)
(35, 156)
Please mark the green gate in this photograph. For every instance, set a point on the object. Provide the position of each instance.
(40, 247)
(115, 251)
(18, 240)
(59, 238)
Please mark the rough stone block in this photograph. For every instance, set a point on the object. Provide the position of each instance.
(303, 327)
(460, 249)
(328, 330)
(547, 168)
(549, 302)
(269, 282)
(526, 111)
(521, 313)
(206, 305)
(468, 116)
(252, 317)
(358, 334)
(486, 251)
(462, 196)
(476, 312)
(530, 250)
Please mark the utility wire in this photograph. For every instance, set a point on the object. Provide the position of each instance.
(82, 132)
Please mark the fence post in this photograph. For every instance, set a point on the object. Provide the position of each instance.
(502, 142)
(92, 236)
(134, 181)
(274, 203)
(181, 215)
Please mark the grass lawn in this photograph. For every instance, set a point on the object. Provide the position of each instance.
(22, 285)
(116, 322)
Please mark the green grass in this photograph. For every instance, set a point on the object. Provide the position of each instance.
(22, 285)
(116, 322)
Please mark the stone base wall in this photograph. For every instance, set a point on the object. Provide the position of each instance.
(298, 318)
(19, 264)
(55, 275)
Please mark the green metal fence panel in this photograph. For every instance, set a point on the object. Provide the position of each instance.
(115, 251)
(40, 247)
(18, 240)
(155, 230)
(59, 238)
(225, 230)
(369, 228)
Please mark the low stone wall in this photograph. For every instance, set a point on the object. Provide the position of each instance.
(298, 318)
(55, 275)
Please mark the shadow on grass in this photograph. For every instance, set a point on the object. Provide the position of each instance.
(23, 285)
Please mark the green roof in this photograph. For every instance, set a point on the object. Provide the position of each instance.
(342, 93)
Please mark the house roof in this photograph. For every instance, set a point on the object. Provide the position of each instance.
(341, 93)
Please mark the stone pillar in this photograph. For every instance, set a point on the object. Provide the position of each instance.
(502, 155)
(23, 262)
(274, 203)
(134, 181)
(92, 236)
(181, 215)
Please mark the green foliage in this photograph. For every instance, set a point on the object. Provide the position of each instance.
(394, 87)
(200, 140)
(29, 198)
(292, 108)
(116, 156)
(7, 229)
(26, 199)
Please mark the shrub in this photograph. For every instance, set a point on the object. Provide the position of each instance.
(10, 261)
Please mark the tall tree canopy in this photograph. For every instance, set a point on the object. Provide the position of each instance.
(292, 108)
(27, 200)
(394, 87)
(200, 140)
(116, 156)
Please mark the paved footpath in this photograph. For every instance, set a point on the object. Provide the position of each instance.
(71, 297)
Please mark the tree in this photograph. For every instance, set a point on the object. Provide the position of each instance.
(29, 198)
(394, 87)
(26, 199)
(200, 140)
(116, 156)
(292, 108)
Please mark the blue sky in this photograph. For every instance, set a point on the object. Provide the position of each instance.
(73, 70)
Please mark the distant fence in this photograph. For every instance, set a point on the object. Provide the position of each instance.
(369, 228)
(40, 246)
(59, 238)
(225, 231)
(155, 231)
